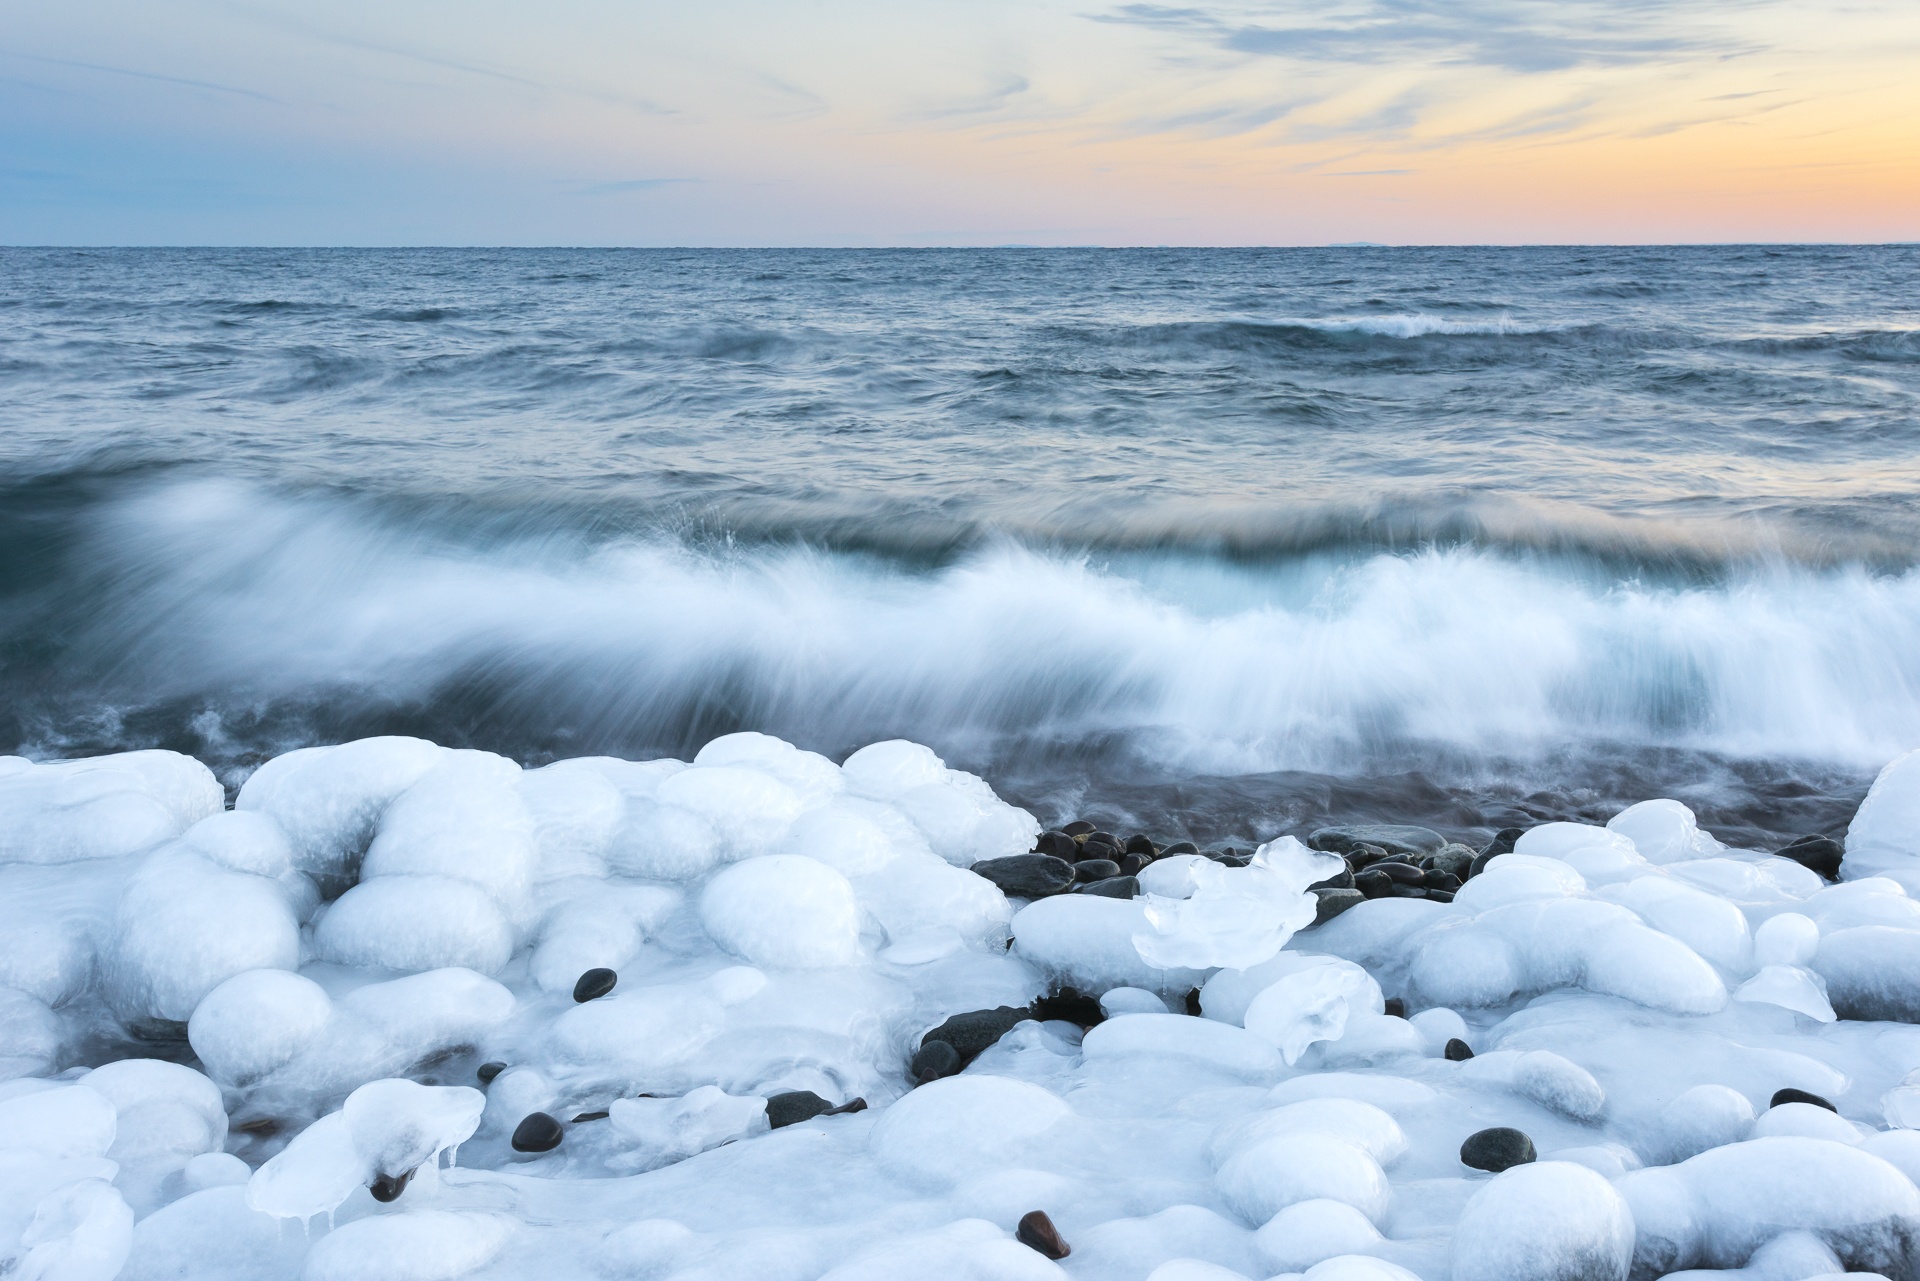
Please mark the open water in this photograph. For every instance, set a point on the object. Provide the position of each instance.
(1219, 543)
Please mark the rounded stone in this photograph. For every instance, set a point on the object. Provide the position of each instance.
(1497, 1149)
(1079, 827)
(794, 1106)
(1791, 1095)
(537, 1132)
(1458, 1051)
(487, 1071)
(594, 983)
(1057, 845)
(1139, 843)
(1179, 847)
(1095, 869)
(1036, 1231)
(934, 1060)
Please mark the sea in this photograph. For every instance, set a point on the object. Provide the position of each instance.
(1215, 544)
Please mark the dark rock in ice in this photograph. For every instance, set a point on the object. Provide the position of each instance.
(1395, 1008)
(1112, 887)
(1057, 844)
(1817, 854)
(1791, 1095)
(260, 1127)
(1193, 1002)
(1037, 1232)
(1079, 827)
(1458, 1051)
(591, 1116)
(1096, 852)
(487, 1071)
(1452, 860)
(157, 1030)
(594, 983)
(388, 1187)
(1502, 843)
(1070, 1006)
(1334, 902)
(1095, 869)
(974, 1031)
(934, 1060)
(1442, 881)
(1179, 847)
(1373, 884)
(1390, 837)
(1400, 889)
(1341, 880)
(1139, 843)
(1440, 896)
(1398, 872)
(794, 1106)
(1497, 1149)
(537, 1132)
(1027, 875)
(851, 1105)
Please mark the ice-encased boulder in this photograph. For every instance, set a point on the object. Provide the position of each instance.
(101, 806)
(385, 1128)
(329, 799)
(1884, 837)
(1717, 1209)
(1545, 1221)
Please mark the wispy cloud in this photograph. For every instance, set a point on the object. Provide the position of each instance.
(143, 75)
(629, 184)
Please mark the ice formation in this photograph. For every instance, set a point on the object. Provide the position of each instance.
(419, 1013)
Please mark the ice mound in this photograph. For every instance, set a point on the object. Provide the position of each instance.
(416, 1012)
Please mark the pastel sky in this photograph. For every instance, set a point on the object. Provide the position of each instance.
(958, 122)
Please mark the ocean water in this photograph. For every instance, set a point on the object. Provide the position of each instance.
(1211, 543)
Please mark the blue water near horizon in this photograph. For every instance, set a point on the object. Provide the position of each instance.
(1235, 539)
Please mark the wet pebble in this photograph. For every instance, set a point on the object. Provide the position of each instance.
(1791, 1095)
(1027, 875)
(487, 1071)
(1458, 1051)
(932, 1061)
(1036, 1231)
(594, 983)
(537, 1132)
(794, 1106)
(1500, 1148)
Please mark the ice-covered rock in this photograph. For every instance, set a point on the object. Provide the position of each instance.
(1545, 1221)
(1717, 1209)
(101, 806)
(783, 911)
(1235, 916)
(386, 1128)
(964, 1125)
(328, 799)
(1884, 837)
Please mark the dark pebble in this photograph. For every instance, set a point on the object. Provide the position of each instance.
(1502, 843)
(851, 1105)
(1193, 1002)
(1334, 902)
(934, 1060)
(1070, 1006)
(1442, 881)
(974, 1031)
(1027, 875)
(1179, 847)
(1817, 854)
(1093, 850)
(794, 1106)
(1440, 896)
(1095, 869)
(1391, 837)
(591, 1116)
(158, 1030)
(1139, 843)
(1079, 827)
(1131, 864)
(594, 983)
(1055, 844)
(1402, 890)
(1396, 1008)
(537, 1132)
(1113, 887)
(388, 1187)
(487, 1071)
(1037, 1232)
(1791, 1095)
(1104, 838)
(1373, 884)
(1497, 1149)
(1363, 856)
(1458, 1051)
(1403, 873)
(1453, 859)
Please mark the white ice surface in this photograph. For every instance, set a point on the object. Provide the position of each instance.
(378, 919)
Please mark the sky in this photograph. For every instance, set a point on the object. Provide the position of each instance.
(942, 122)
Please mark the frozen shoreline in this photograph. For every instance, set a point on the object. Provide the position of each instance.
(373, 923)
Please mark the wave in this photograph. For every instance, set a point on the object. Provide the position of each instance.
(229, 604)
